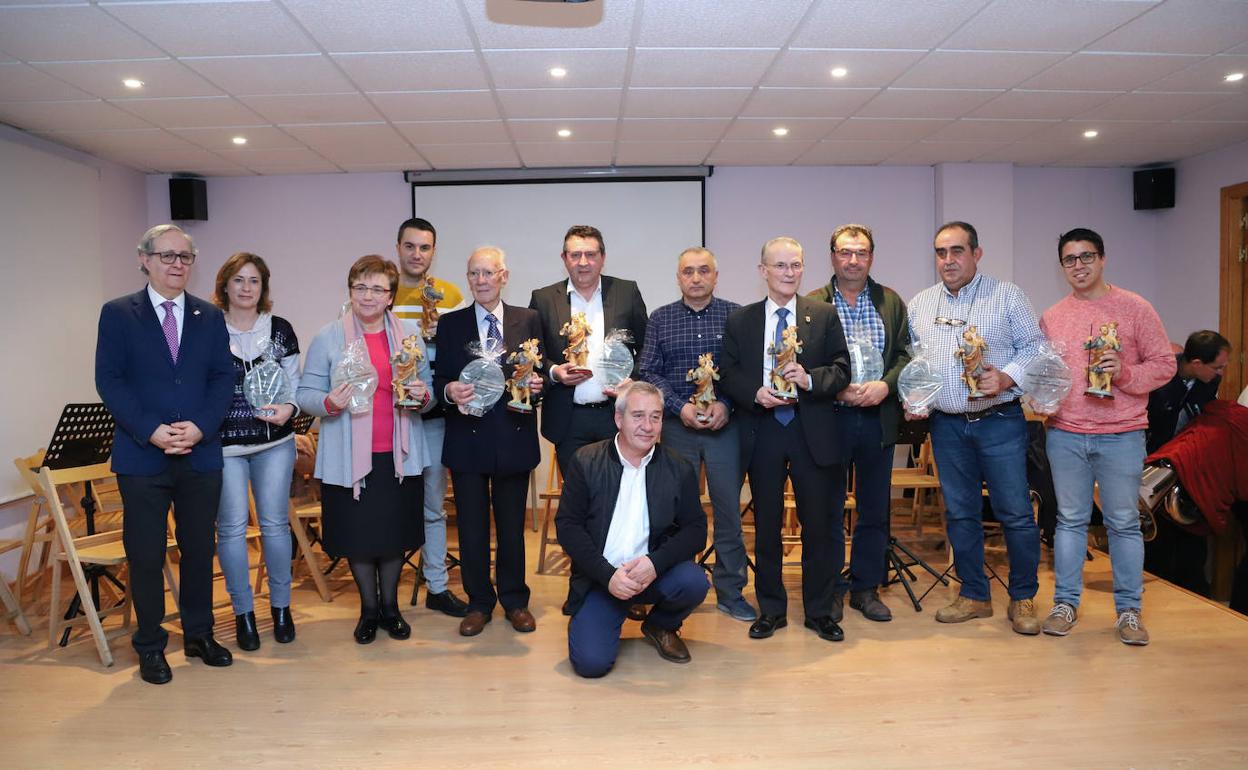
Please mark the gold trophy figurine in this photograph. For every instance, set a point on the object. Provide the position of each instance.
(790, 346)
(577, 352)
(703, 378)
(526, 359)
(971, 353)
(1099, 385)
(404, 365)
(429, 299)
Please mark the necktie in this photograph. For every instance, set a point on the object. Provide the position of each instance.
(170, 328)
(783, 414)
(492, 332)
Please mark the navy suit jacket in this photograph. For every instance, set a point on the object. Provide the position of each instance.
(499, 441)
(143, 388)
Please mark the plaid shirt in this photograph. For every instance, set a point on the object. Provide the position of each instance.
(862, 319)
(675, 337)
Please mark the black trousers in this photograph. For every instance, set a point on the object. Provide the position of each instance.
(475, 495)
(780, 452)
(194, 496)
(586, 425)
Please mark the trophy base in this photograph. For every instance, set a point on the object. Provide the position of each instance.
(579, 370)
(703, 418)
(519, 406)
(977, 397)
(1101, 394)
(407, 403)
(263, 412)
(787, 396)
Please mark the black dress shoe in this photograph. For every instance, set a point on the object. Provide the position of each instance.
(366, 630)
(394, 624)
(207, 648)
(245, 631)
(447, 603)
(827, 628)
(766, 625)
(283, 625)
(153, 667)
(869, 604)
(838, 607)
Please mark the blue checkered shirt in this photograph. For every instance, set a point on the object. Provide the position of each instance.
(675, 337)
(1006, 321)
(863, 319)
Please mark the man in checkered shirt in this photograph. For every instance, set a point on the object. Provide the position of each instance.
(984, 439)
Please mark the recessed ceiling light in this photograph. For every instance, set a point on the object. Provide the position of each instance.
(558, 72)
(1234, 77)
(780, 131)
(239, 140)
(564, 133)
(132, 83)
(839, 72)
(1091, 133)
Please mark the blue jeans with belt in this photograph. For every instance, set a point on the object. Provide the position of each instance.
(991, 449)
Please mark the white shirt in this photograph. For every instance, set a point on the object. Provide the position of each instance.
(629, 534)
(179, 308)
(770, 321)
(590, 391)
(483, 326)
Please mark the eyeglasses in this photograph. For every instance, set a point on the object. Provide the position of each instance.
(786, 267)
(369, 291)
(861, 254)
(486, 274)
(942, 321)
(169, 257)
(576, 256)
(1085, 257)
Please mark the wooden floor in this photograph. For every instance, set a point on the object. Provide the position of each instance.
(911, 693)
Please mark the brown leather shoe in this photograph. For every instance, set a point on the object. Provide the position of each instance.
(521, 619)
(669, 644)
(473, 623)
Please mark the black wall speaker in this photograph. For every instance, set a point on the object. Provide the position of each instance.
(1154, 189)
(188, 199)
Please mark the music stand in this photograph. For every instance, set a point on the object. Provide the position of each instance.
(914, 433)
(83, 436)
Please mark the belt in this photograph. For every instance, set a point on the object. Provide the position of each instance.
(982, 413)
(607, 404)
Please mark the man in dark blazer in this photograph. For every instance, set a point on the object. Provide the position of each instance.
(631, 520)
(163, 368)
(577, 409)
(793, 439)
(489, 456)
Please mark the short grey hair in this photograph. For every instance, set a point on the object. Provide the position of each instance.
(782, 240)
(149, 237)
(700, 250)
(495, 252)
(636, 386)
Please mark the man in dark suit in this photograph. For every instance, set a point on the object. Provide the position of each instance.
(790, 438)
(631, 521)
(163, 368)
(489, 456)
(577, 409)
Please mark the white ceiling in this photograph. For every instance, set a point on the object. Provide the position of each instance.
(368, 85)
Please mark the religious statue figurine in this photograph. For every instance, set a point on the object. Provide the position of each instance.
(790, 346)
(971, 353)
(429, 299)
(577, 352)
(703, 378)
(404, 365)
(527, 359)
(1097, 346)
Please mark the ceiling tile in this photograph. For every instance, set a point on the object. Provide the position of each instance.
(1152, 106)
(356, 143)
(1206, 75)
(684, 102)
(1029, 154)
(1199, 132)
(452, 131)
(975, 69)
(1129, 154)
(1052, 25)
(255, 75)
(565, 153)
(971, 130)
(1235, 108)
(388, 25)
(221, 140)
(849, 153)
(800, 129)
(561, 102)
(662, 153)
(776, 152)
(544, 130)
(667, 67)
(1040, 105)
(813, 68)
(132, 140)
(873, 24)
(727, 22)
(924, 103)
(313, 108)
(423, 71)
(1181, 26)
(808, 102)
(161, 77)
(887, 129)
(67, 116)
(1086, 71)
(587, 68)
(660, 130)
(193, 112)
(317, 166)
(436, 105)
(934, 153)
(68, 33)
(168, 161)
(21, 82)
(215, 28)
(270, 156)
(454, 156)
(551, 25)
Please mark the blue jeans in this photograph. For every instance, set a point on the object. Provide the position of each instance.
(721, 451)
(992, 449)
(433, 553)
(1115, 462)
(268, 473)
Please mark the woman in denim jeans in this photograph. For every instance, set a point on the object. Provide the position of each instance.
(259, 450)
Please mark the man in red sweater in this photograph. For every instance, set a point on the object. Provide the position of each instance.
(1101, 440)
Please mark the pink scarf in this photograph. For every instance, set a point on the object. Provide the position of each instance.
(362, 424)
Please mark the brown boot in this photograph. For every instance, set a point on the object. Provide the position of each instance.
(1023, 617)
(963, 609)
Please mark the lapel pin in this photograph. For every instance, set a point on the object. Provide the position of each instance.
(807, 319)
(196, 312)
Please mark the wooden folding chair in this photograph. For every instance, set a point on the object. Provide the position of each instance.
(13, 610)
(923, 480)
(550, 505)
(305, 520)
(39, 530)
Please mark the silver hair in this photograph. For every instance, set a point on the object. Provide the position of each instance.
(149, 237)
(636, 386)
(700, 250)
(498, 254)
(782, 240)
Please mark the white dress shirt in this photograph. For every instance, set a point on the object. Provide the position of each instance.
(590, 391)
(179, 307)
(770, 321)
(483, 326)
(629, 534)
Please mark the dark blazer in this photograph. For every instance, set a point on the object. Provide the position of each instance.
(622, 308)
(499, 441)
(143, 388)
(824, 356)
(677, 521)
(1165, 404)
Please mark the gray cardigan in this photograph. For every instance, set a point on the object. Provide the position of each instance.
(333, 453)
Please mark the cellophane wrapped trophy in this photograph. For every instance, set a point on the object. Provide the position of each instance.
(267, 383)
(616, 362)
(919, 383)
(866, 363)
(355, 368)
(485, 376)
(1047, 379)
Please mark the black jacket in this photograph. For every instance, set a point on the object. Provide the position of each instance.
(1165, 404)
